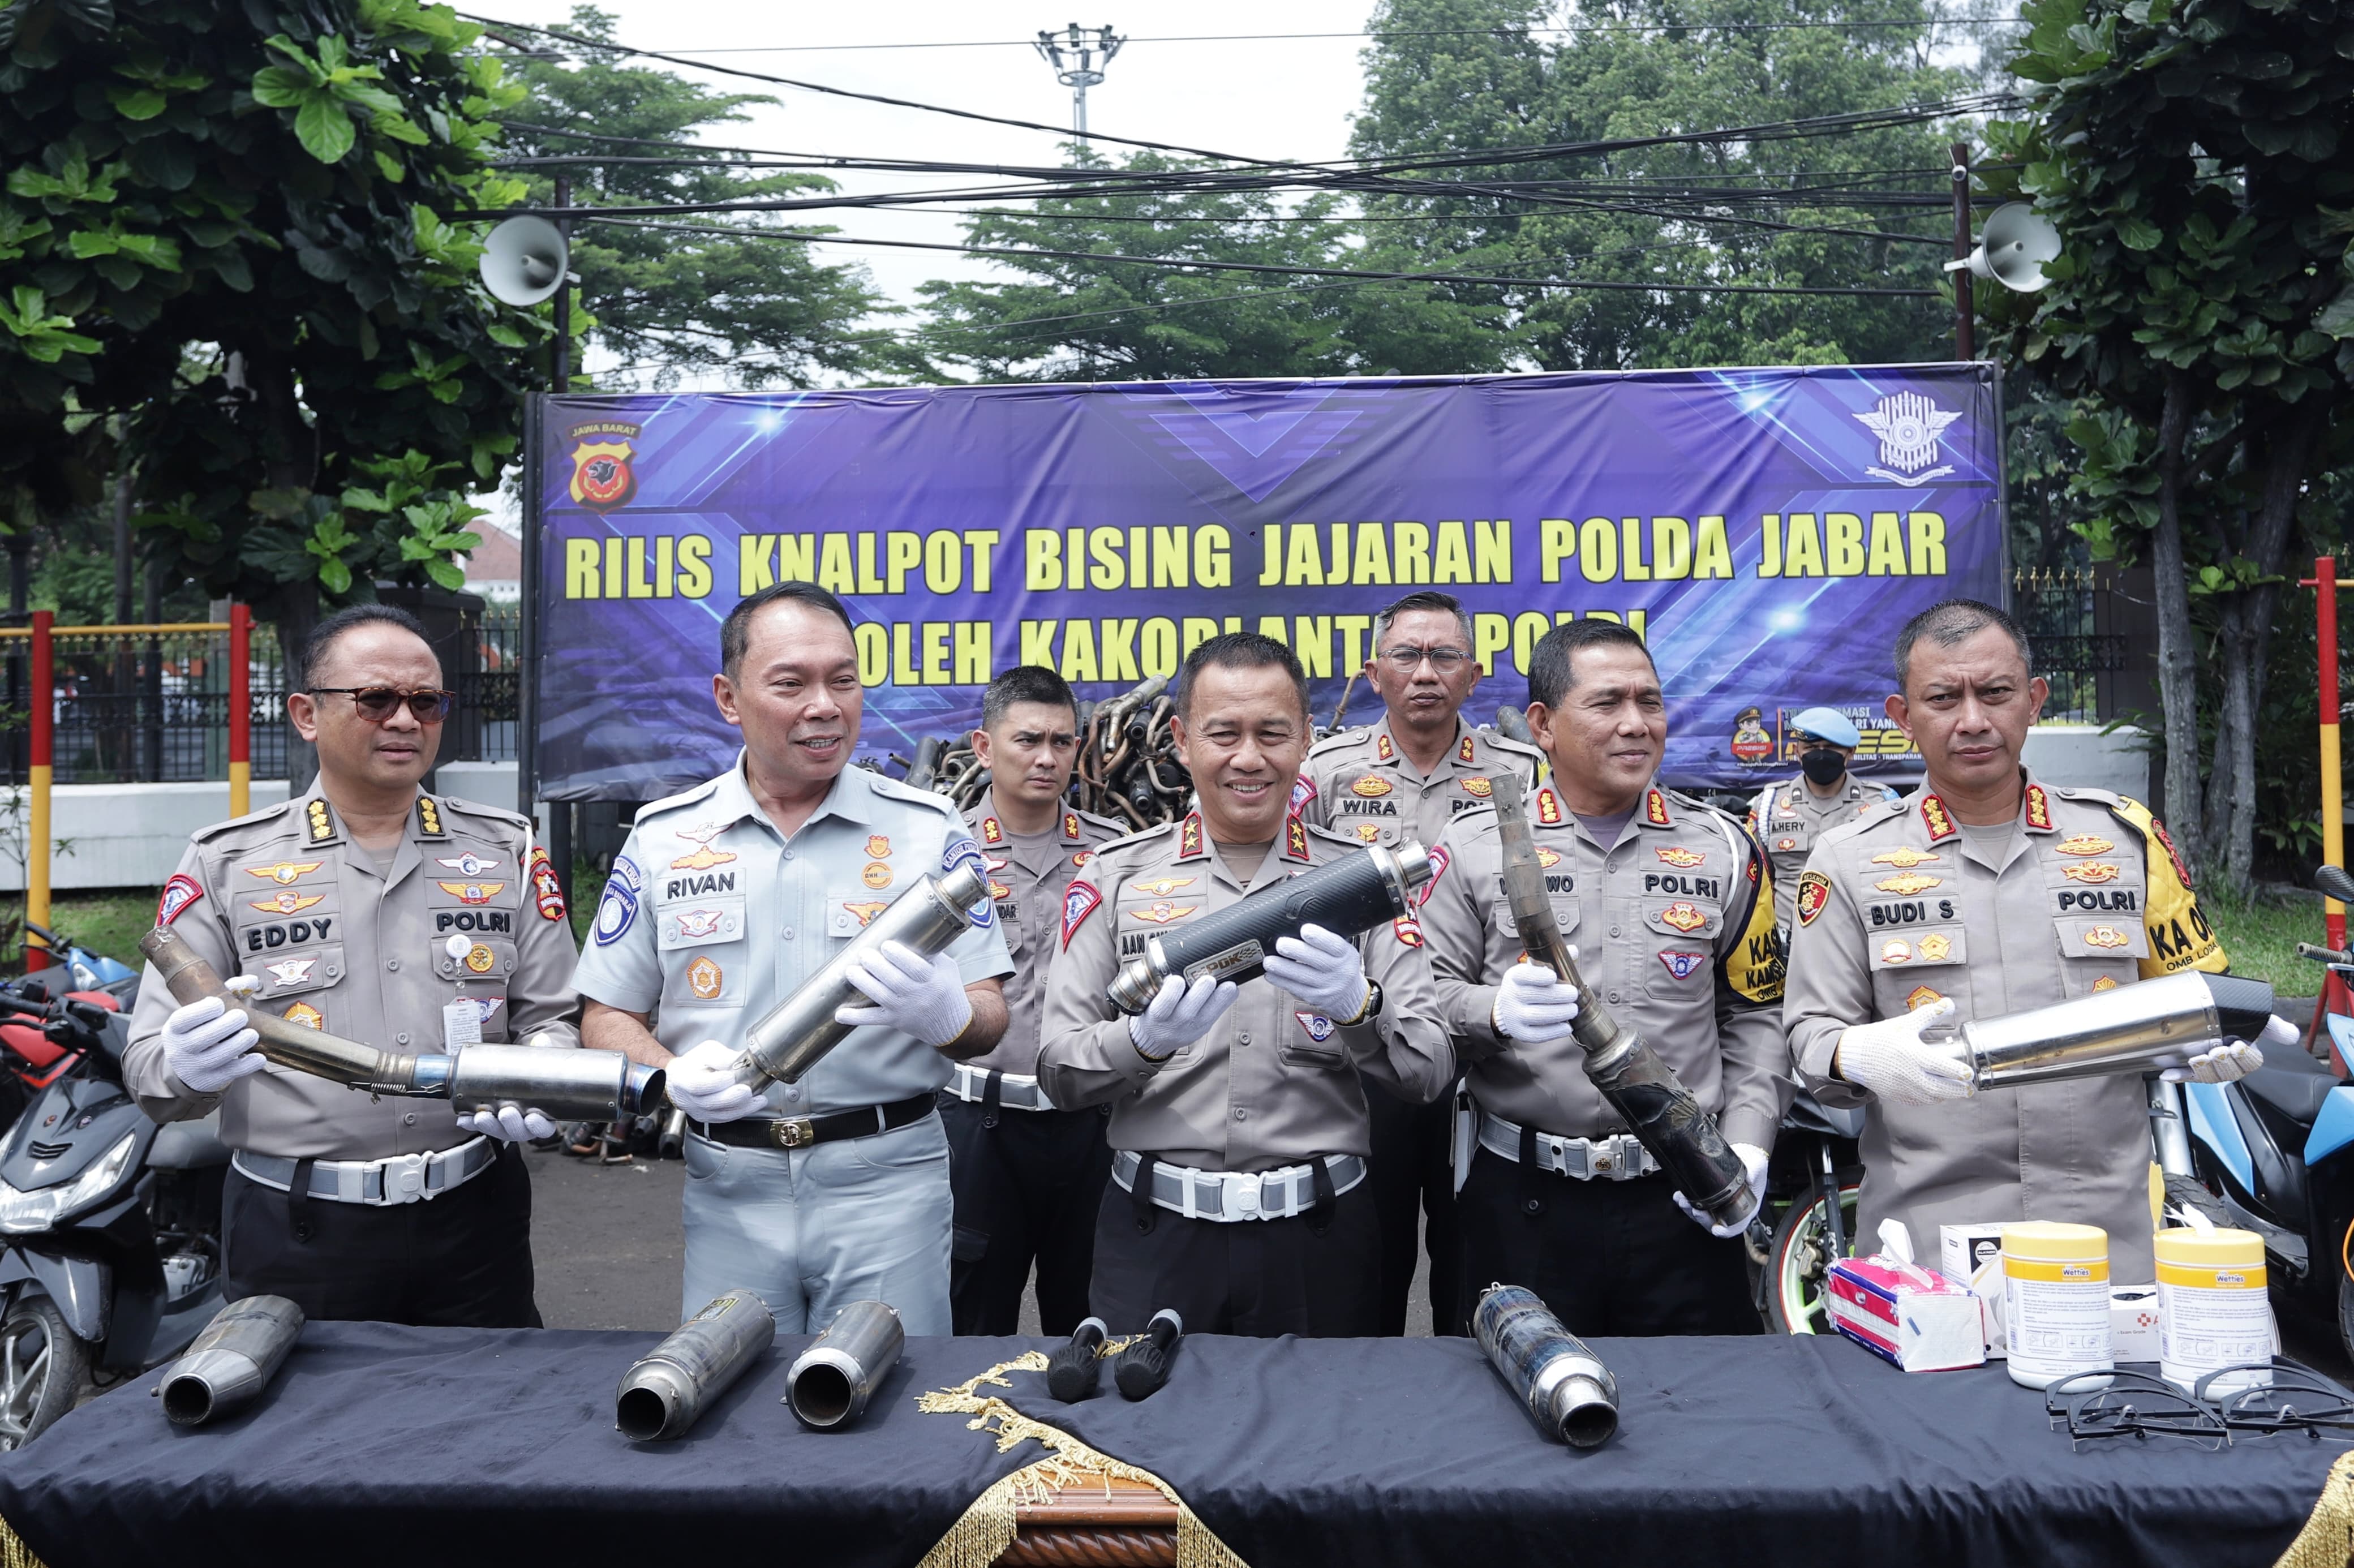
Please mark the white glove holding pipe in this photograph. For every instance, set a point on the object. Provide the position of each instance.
(510, 1123)
(1322, 969)
(1753, 1159)
(1533, 1005)
(702, 1083)
(1179, 1015)
(1892, 1060)
(206, 1043)
(2234, 1059)
(913, 994)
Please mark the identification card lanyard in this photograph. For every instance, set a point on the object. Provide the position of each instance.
(462, 1017)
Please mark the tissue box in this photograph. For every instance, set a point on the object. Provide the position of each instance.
(1972, 1256)
(1919, 1320)
(2133, 1323)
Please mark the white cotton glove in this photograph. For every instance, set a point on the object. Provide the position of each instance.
(1533, 1005)
(1180, 1014)
(207, 1045)
(1323, 970)
(1892, 1060)
(2234, 1059)
(1754, 1159)
(511, 1123)
(913, 994)
(702, 1083)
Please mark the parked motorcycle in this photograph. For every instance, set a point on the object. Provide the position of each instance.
(110, 1226)
(84, 970)
(1808, 1215)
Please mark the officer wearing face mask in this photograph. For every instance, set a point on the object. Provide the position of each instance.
(1790, 816)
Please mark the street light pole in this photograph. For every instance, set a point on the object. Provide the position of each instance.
(1078, 55)
(1966, 337)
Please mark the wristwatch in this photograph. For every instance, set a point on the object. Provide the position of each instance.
(1374, 999)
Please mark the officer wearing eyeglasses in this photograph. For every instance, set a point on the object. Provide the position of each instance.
(414, 922)
(1406, 776)
(1788, 817)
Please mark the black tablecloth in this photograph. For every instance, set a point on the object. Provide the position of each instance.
(450, 1447)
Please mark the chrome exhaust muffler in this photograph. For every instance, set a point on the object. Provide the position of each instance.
(829, 1384)
(2145, 1027)
(665, 1391)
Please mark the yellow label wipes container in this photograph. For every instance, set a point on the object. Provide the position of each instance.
(2055, 1300)
(2213, 1311)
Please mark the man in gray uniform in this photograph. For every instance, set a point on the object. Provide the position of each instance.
(374, 911)
(1236, 1110)
(1788, 817)
(1407, 776)
(726, 899)
(1028, 1177)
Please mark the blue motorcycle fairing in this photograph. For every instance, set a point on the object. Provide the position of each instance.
(2213, 1123)
(2333, 1129)
(2341, 1034)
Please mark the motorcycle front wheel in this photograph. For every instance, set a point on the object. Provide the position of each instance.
(1799, 1260)
(42, 1367)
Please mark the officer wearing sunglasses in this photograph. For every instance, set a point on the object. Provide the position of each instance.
(415, 922)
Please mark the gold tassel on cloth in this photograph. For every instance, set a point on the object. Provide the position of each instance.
(2328, 1539)
(14, 1552)
(987, 1527)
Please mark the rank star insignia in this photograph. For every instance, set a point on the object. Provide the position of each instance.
(1479, 789)
(876, 875)
(1548, 808)
(288, 903)
(1189, 838)
(1160, 886)
(704, 979)
(429, 815)
(2084, 844)
(991, 832)
(2039, 808)
(1465, 752)
(867, 910)
(1814, 891)
(1655, 809)
(1383, 748)
(1937, 820)
(1683, 916)
(1294, 840)
(1369, 787)
(1160, 914)
(1904, 857)
(1937, 949)
(1071, 823)
(480, 959)
(2106, 937)
(1896, 951)
(1908, 882)
(1681, 965)
(309, 1017)
(469, 865)
(1919, 997)
(471, 892)
(322, 827)
(878, 847)
(1679, 857)
(2091, 870)
(287, 871)
(1548, 857)
(291, 971)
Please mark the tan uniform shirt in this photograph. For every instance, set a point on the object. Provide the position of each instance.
(1272, 1083)
(1898, 909)
(1788, 818)
(1360, 784)
(284, 897)
(1027, 877)
(1675, 936)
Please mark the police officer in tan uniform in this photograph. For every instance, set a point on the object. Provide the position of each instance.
(1239, 1124)
(1406, 776)
(1788, 817)
(1985, 892)
(410, 921)
(1669, 905)
(1027, 1178)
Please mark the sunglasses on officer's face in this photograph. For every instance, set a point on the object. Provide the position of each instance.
(378, 704)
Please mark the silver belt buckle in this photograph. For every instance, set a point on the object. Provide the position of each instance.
(792, 1132)
(1245, 1190)
(404, 1179)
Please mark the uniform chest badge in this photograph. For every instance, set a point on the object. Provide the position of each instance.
(1937, 949)
(1683, 965)
(704, 979)
(1683, 859)
(288, 903)
(698, 922)
(1369, 833)
(468, 866)
(1160, 914)
(994, 863)
(287, 871)
(1896, 951)
(480, 959)
(999, 890)
(1160, 886)
(2106, 937)
(878, 847)
(876, 875)
(291, 971)
(1904, 857)
(309, 1017)
(2082, 844)
(2106, 982)
(1479, 788)
(471, 892)
(1785, 843)
(2091, 870)
(1683, 916)
(1814, 891)
(1548, 857)
(867, 909)
(1921, 996)
(1908, 882)
(1080, 860)
(704, 856)
(1318, 1027)
(1371, 787)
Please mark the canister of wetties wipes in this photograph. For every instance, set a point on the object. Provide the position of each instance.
(2055, 1300)
(2213, 1311)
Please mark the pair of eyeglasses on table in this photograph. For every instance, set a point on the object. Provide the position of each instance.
(2126, 1403)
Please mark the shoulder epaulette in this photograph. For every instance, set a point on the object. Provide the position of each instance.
(1119, 829)
(476, 808)
(2109, 798)
(1142, 835)
(250, 819)
(702, 791)
(1354, 732)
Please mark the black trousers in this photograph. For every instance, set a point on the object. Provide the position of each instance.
(1412, 1179)
(1609, 1257)
(462, 1260)
(1026, 1185)
(1304, 1276)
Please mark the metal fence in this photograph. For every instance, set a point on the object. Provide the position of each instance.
(2074, 621)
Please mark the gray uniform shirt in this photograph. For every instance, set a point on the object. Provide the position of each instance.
(1359, 782)
(1788, 817)
(1273, 1082)
(714, 917)
(359, 950)
(1027, 877)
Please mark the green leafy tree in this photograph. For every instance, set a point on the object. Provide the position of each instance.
(2193, 158)
(664, 304)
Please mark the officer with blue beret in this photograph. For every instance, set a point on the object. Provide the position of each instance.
(1788, 817)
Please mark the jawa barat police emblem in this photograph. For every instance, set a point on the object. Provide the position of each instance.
(601, 452)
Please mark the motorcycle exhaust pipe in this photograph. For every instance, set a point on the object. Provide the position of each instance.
(2140, 1028)
(1348, 897)
(798, 1030)
(228, 1366)
(568, 1084)
(829, 1384)
(661, 1395)
(1562, 1385)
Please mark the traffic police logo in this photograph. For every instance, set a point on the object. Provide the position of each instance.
(1679, 857)
(1440, 861)
(1318, 1027)
(1302, 791)
(619, 905)
(288, 903)
(1160, 914)
(2106, 937)
(698, 922)
(291, 971)
(1408, 930)
(1908, 882)
(1371, 787)
(1751, 747)
(1919, 997)
(1814, 891)
(309, 1017)
(287, 871)
(876, 875)
(1476, 788)
(1904, 857)
(2084, 844)
(1681, 965)
(470, 892)
(1896, 951)
(179, 893)
(1548, 857)
(1937, 949)
(960, 851)
(703, 978)
(480, 959)
(1080, 901)
(867, 910)
(469, 864)
(1160, 886)
(2091, 870)
(601, 469)
(1683, 916)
